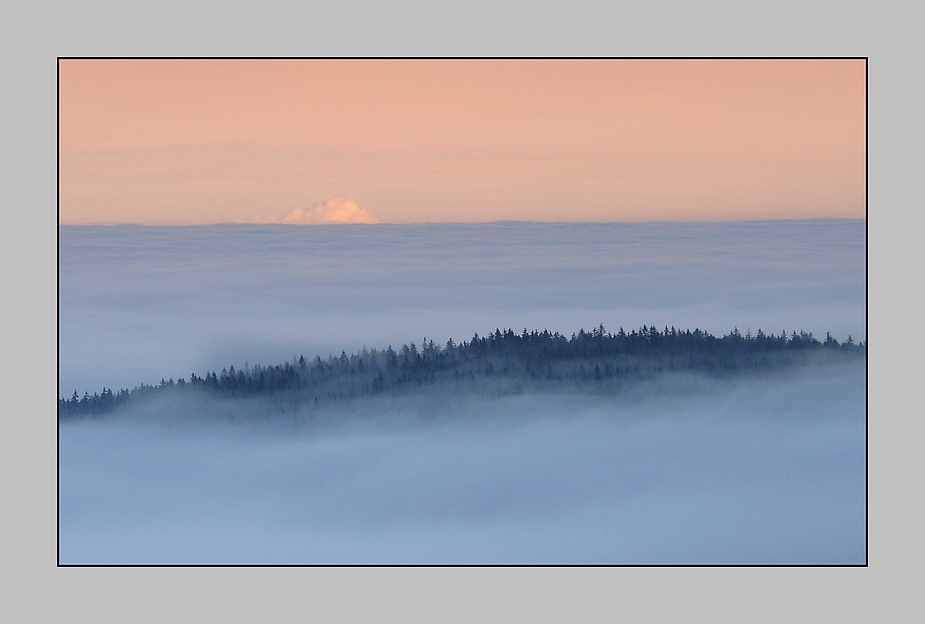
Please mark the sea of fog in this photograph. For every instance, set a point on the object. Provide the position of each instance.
(677, 470)
(140, 303)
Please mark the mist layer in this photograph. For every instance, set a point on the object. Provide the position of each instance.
(140, 303)
(679, 470)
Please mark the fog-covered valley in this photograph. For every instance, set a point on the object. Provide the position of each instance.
(141, 303)
(681, 470)
(678, 467)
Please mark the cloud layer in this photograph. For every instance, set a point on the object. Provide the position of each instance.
(335, 210)
(676, 471)
(763, 471)
(138, 304)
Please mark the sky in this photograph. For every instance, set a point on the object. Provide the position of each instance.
(409, 141)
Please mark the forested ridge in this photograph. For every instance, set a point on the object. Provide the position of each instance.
(537, 360)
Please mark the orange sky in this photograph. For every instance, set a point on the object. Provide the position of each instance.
(416, 140)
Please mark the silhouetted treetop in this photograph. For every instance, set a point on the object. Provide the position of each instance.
(536, 358)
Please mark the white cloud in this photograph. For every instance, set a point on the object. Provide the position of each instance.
(335, 210)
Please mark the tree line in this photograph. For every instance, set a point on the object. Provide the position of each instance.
(536, 359)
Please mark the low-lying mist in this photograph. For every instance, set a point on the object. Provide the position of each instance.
(676, 469)
(508, 462)
(140, 303)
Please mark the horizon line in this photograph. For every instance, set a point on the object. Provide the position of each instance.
(495, 222)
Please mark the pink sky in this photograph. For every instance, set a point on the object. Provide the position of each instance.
(310, 141)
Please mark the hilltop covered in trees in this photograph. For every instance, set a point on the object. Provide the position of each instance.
(503, 359)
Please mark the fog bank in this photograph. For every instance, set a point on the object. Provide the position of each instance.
(141, 303)
(678, 470)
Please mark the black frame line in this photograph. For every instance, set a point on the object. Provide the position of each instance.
(866, 60)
